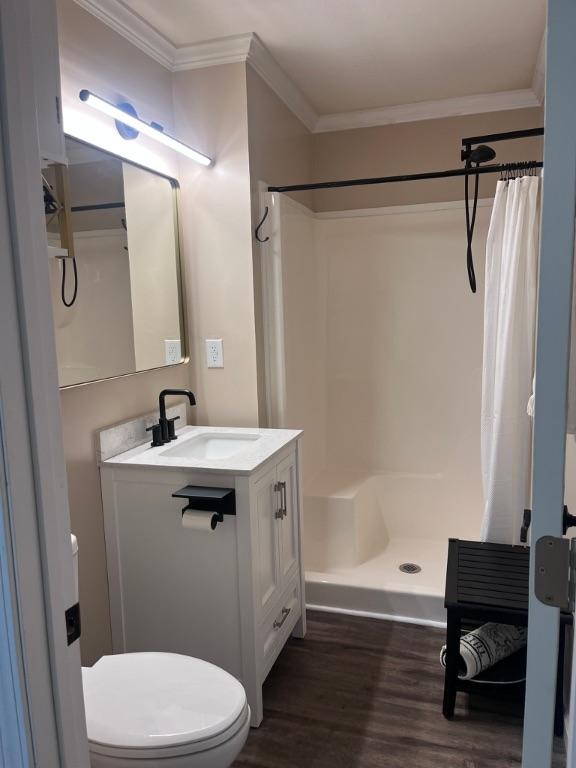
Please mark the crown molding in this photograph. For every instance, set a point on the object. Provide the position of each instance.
(262, 61)
(211, 53)
(128, 24)
(249, 48)
(428, 110)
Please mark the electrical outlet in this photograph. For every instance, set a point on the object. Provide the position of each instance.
(214, 353)
(172, 351)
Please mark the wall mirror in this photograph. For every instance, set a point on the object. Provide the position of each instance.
(114, 265)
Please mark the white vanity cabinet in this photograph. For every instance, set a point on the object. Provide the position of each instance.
(232, 595)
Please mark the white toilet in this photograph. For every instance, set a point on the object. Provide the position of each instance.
(162, 710)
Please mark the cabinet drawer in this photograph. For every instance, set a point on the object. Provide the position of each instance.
(276, 629)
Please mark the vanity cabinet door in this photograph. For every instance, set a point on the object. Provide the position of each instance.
(268, 558)
(288, 524)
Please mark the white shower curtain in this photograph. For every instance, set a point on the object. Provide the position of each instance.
(508, 365)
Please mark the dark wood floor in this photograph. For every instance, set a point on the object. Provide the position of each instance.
(361, 693)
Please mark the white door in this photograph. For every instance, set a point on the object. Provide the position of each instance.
(552, 345)
(34, 517)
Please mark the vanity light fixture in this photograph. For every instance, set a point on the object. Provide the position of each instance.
(153, 130)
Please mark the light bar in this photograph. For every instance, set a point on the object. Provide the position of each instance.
(139, 125)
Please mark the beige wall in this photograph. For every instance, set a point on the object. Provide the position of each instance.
(211, 114)
(429, 145)
(280, 147)
(95, 57)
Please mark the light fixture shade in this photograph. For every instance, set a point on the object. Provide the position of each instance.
(139, 125)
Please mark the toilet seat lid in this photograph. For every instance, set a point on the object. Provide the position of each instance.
(156, 700)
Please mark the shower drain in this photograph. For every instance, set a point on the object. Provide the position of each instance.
(409, 568)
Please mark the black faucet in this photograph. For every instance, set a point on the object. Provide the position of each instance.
(164, 431)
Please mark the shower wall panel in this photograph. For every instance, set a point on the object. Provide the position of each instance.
(384, 349)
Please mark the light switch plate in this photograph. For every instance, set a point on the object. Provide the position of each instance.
(214, 353)
(172, 351)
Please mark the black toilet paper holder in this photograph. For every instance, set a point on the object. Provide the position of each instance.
(201, 498)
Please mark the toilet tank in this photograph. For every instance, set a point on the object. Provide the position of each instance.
(74, 545)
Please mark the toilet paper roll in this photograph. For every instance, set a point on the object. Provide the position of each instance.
(197, 521)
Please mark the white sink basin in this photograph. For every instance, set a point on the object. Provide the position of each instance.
(211, 446)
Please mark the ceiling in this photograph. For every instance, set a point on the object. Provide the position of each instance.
(347, 55)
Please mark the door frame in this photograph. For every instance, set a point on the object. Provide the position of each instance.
(552, 363)
(36, 514)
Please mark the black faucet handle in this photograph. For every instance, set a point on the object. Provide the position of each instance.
(157, 438)
(172, 429)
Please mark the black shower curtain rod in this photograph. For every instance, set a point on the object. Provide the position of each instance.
(97, 207)
(499, 168)
(467, 144)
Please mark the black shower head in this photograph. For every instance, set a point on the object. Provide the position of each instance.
(481, 154)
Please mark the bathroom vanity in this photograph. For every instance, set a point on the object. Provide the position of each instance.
(226, 588)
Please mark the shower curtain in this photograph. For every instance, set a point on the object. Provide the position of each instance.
(508, 364)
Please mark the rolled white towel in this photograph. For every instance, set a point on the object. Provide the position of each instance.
(483, 647)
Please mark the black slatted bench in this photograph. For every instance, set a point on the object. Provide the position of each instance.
(488, 582)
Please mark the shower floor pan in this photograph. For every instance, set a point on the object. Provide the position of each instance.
(360, 529)
(378, 588)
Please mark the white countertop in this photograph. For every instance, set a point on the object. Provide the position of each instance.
(248, 459)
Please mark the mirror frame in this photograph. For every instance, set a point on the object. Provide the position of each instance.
(174, 183)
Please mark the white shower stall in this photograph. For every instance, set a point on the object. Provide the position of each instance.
(373, 346)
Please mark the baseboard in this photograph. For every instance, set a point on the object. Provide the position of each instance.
(374, 615)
